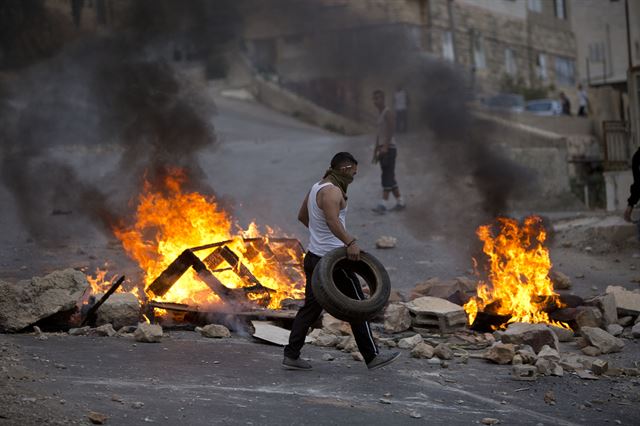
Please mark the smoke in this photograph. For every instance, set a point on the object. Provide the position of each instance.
(116, 91)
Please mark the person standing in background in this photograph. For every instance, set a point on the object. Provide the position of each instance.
(583, 101)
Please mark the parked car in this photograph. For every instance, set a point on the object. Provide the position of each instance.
(509, 102)
(544, 107)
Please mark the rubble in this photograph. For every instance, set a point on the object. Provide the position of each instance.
(323, 338)
(97, 418)
(214, 331)
(433, 312)
(635, 330)
(607, 306)
(599, 367)
(527, 354)
(560, 281)
(82, 331)
(591, 351)
(328, 357)
(500, 353)
(524, 372)
(589, 316)
(386, 242)
(26, 302)
(435, 287)
(148, 333)
(335, 326)
(534, 335)
(563, 334)
(602, 340)
(357, 356)
(422, 350)
(443, 351)
(105, 330)
(625, 321)
(627, 302)
(615, 329)
(547, 353)
(119, 310)
(545, 367)
(410, 342)
(396, 318)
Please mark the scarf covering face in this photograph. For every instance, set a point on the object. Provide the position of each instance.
(341, 180)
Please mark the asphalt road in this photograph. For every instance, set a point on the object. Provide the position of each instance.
(262, 167)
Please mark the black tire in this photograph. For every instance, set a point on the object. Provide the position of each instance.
(339, 304)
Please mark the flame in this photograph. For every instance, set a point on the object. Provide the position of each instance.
(519, 266)
(169, 220)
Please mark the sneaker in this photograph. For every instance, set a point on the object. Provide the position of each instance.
(399, 207)
(379, 209)
(295, 364)
(382, 359)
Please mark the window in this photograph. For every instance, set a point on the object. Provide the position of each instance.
(560, 9)
(447, 46)
(478, 51)
(535, 5)
(565, 71)
(541, 66)
(510, 62)
(596, 52)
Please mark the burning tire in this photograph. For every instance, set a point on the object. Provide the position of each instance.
(339, 304)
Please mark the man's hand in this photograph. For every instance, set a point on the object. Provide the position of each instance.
(627, 213)
(353, 252)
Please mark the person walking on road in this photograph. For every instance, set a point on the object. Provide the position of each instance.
(401, 105)
(385, 152)
(324, 211)
(634, 190)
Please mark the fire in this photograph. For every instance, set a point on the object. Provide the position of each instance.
(519, 266)
(169, 220)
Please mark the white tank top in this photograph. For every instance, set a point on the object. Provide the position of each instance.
(321, 239)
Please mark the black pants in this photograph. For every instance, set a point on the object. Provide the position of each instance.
(388, 168)
(348, 283)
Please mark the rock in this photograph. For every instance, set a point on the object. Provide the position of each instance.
(581, 342)
(438, 313)
(602, 340)
(396, 318)
(119, 310)
(635, 330)
(422, 350)
(357, 356)
(396, 297)
(335, 326)
(534, 335)
(550, 398)
(82, 331)
(527, 354)
(443, 351)
(573, 362)
(326, 339)
(148, 333)
(560, 281)
(386, 242)
(625, 321)
(328, 357)
(557, 370)
(599, 367)
(524, 372)
(97, 418)
(26, 302)
(544, 366)
(105, 330)
(410, 342)
(489, 421)
(350, 345)
(586, 375)
(127, 329)
(627, 302)
(434, 361)
(517, 360)
(214, 331)
(563, 334)
(591, 351)
(615, 329)
(589, 316)
(435, 287)
(500, 353)
(137, 405)
(607, 306)
(547, 353)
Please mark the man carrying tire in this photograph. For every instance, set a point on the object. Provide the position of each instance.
(323, 211)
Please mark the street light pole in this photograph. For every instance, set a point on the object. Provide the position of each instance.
(626, 14)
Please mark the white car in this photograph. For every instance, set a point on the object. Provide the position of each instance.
(544, 107)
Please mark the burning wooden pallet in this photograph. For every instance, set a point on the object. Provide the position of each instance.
(223, 258)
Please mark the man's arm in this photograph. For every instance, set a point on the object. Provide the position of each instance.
(330, 199)
(303, 213)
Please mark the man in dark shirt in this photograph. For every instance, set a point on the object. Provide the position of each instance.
(635, 188)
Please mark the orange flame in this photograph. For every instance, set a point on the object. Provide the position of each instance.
(169, 220)
(519, 266)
